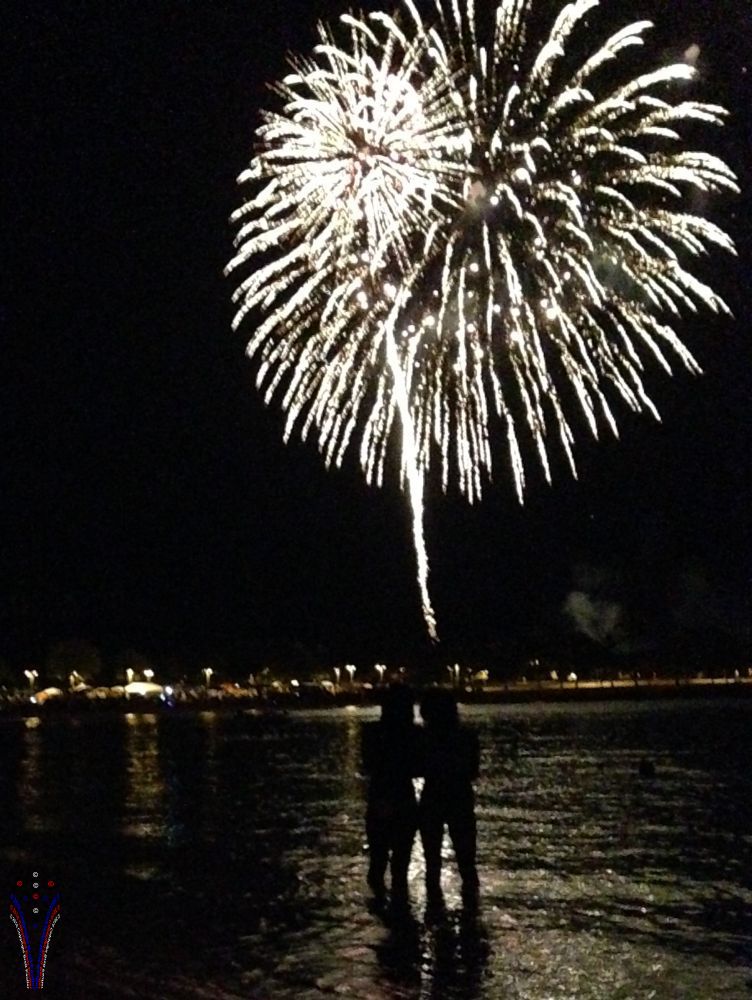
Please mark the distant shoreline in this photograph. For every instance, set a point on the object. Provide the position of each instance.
(612, 691)
(545, 692)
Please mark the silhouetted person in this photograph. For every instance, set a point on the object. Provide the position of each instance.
(390, 753)
(451, 759)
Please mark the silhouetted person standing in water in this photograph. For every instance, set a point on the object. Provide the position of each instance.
(390, 758)
(451, 757)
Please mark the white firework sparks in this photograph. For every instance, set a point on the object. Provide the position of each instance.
(454, 230)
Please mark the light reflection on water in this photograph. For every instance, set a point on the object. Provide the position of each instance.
(222, 856)
(145, 807)
(29, 784)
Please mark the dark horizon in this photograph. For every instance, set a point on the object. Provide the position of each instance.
(149, 501)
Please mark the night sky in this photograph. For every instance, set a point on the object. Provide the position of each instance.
(148, 500)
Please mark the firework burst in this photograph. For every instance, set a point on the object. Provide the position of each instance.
(450, 226)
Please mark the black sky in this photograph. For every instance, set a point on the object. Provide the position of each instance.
(148, 499)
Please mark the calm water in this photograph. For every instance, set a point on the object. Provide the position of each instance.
(211, 856)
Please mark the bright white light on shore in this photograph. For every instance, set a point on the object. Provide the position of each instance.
(692, 54)
(143, 689)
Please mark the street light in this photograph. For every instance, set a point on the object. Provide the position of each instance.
(32, 675)
(148, 673)
(129, 675)
(351, 671)
(207, 672)
(380, 669)
(454, 674)
(337, 675)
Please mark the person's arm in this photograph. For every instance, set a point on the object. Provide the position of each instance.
(367, 748)
(473, 754)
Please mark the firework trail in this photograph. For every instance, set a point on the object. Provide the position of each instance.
(450, 225)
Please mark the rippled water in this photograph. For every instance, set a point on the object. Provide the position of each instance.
(221, 856)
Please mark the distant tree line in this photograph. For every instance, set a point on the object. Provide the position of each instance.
(712, 652)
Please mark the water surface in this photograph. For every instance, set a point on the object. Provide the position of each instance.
(210, 855)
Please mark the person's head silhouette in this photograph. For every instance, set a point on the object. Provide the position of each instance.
(397, 706)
